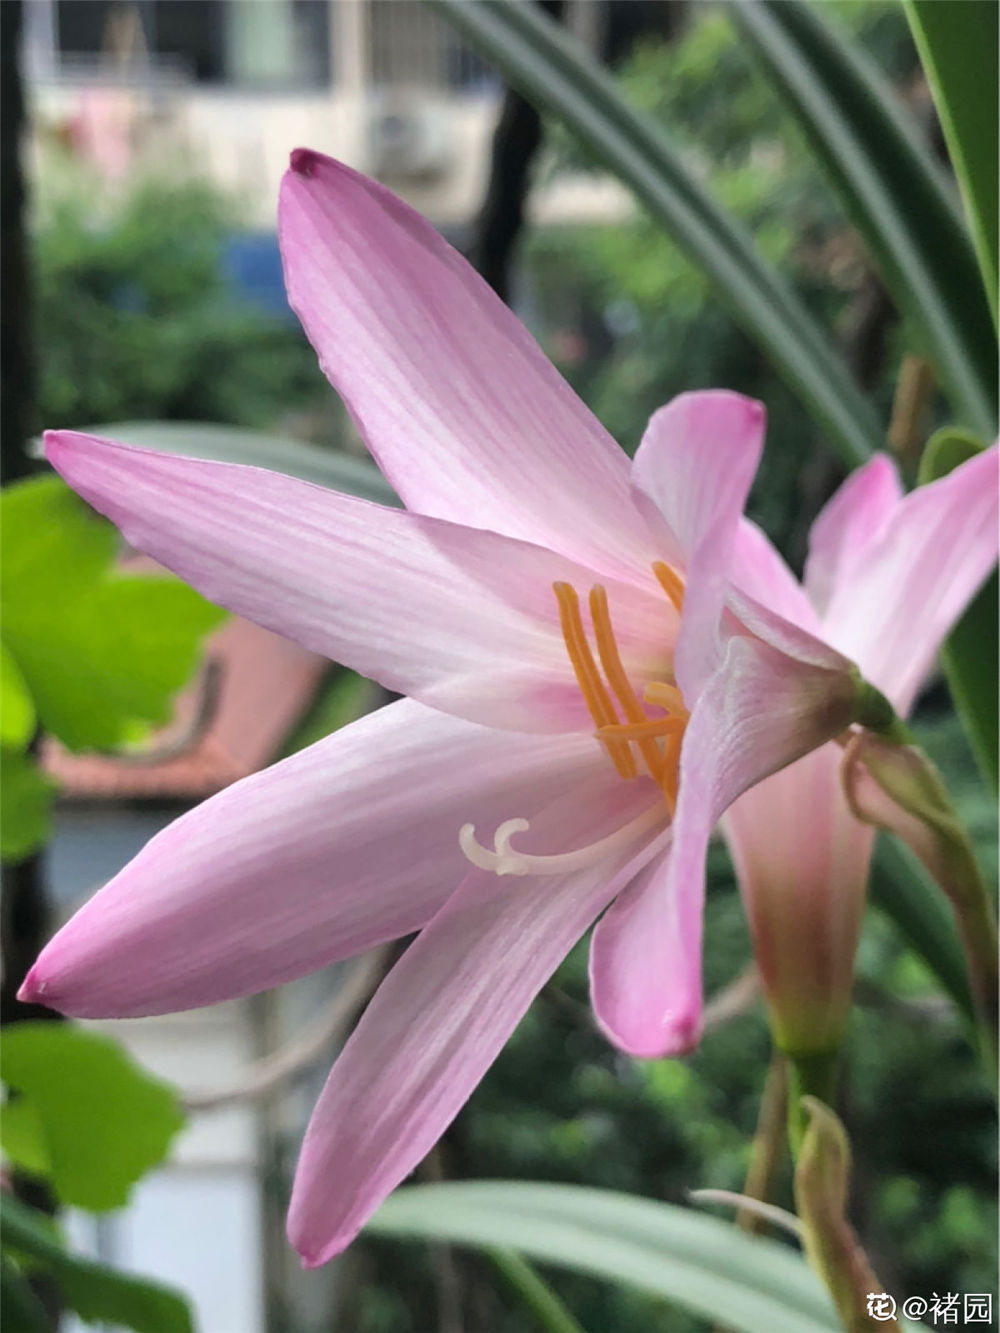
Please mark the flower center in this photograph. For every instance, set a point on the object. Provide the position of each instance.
(657, 739)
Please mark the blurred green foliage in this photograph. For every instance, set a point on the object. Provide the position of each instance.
(650, 328)
(90, 655)
(136, 319)
(33, 1245)
(84, 1116)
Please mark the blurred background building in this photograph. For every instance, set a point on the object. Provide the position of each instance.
(231, 85)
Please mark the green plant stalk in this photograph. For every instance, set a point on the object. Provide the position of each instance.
(557, 74)
(810, 1074)
(537, 1297)
(920, 810)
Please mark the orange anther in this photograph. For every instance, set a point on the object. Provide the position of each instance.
(588, 677)
(614, 670)
(671, 583)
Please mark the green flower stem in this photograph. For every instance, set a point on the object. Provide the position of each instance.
(534, 1295)
(810, 1074)
(767, 1149)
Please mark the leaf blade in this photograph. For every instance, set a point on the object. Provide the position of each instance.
(702, 1263)
(556, 73)
(94, 1291)
(958, 45)
(105, 1121)
(891, 188)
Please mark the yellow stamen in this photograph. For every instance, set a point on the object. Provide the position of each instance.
(671, 583)
(612, 663)
(654, 726)
(672, 769)
(592, 688)
(667, 696)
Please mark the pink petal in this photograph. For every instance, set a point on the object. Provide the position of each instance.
(848, 524)
(895, 603)
(346, 844)
(760, 572)
(462, 619)
(466, 417)
(691, 476)
(760, 711)
(802, 862)
(443, 1015)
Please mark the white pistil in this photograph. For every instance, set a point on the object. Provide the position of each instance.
(506, 860)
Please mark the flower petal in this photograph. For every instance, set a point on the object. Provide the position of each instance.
(348, 843)
(442, 1016)
(802, 863)
(462, 619)
(847, 525)
(893, 606)
(691, 476)
(760, 711)
(761, 573)
(464, 414)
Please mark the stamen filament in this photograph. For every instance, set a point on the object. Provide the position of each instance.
(592, 688)
(672, 769)
(614, 670)
(671, 583)
(654, 726)
(667, 696)
(506, 860)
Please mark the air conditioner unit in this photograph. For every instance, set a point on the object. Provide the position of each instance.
(410, 139)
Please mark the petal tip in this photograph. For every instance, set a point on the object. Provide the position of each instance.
(304, 161)
(33, 987)
(56, 445)
(674, 1037)
(314, 1255)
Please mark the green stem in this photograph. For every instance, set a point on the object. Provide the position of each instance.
(535, 1295)
(813, 1074)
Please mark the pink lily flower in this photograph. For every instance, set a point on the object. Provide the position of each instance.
(887, 577)
(527, 784)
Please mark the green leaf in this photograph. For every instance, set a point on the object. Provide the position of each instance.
(902, 889)
(891, 188)
(555, 72)
(25, 805)
(98, 650)
(105, 1121)
(227, 444)
(95, 1292)
(707, 1266)
(23, 1139)
(958, 49)
(973, 649)
(20, 1309)
(17, 712)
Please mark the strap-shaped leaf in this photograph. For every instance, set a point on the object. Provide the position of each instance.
(233, 444)
(893, 191)
(556, 73)
(958, 50)
(971, 653)
(704, 1264)
(902, 889)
